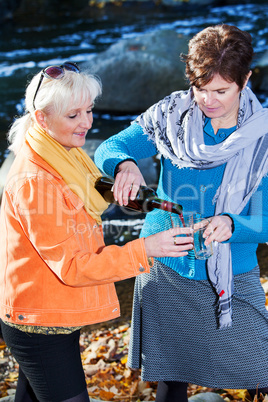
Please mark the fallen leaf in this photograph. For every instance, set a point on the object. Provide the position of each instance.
(124, 359)
(106, 395)
(92, 369)
(239, 393)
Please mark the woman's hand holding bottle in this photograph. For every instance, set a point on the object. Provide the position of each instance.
(163, 244)
(127, 182)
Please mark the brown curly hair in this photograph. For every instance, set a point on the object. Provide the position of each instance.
(220, 49)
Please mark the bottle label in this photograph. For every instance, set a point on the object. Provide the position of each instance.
(166, 206)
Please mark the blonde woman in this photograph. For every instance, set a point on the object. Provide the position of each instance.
(56, 273)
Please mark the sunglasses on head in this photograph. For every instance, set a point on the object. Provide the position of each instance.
(55, 72)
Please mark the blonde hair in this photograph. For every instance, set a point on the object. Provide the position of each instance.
(54, 96)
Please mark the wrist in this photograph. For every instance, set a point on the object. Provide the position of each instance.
(232, 222)
(117, 168)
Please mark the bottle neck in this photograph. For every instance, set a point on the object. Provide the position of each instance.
(145, 201)
(166, 206)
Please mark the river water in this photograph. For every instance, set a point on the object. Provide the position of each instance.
(28, 47)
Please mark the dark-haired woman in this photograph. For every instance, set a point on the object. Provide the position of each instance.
(56, 273)
(196, 321)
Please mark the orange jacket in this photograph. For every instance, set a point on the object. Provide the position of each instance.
(55, 269)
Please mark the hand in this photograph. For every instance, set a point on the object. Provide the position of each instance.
(169, 244)
(127, 182)
(219, 229)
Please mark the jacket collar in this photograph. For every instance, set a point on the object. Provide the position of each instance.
(32, 156)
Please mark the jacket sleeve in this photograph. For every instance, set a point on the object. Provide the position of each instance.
(130, 143)
(251, 226)
(69, 241)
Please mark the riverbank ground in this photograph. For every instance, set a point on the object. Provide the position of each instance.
(104, 351)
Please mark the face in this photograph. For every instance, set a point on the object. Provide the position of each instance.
(70, 129)
(218, 98)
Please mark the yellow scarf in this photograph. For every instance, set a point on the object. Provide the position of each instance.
(75, 167)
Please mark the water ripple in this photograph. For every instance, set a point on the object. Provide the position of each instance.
(28, 49)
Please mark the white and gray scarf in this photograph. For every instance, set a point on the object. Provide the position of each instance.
(175, 125)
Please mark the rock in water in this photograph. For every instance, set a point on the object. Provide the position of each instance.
(138, 72)
(206, 397)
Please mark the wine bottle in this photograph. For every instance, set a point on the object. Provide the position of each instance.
(146, 199)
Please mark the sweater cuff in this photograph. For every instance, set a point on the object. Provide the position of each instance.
(118, 165)
(233, 225)
(248, 229)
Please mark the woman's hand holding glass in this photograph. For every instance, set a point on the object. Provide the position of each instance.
(170, 243)
(219, 229)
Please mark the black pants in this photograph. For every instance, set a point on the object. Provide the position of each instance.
(50, 366)
(175, 391)
(171, 391)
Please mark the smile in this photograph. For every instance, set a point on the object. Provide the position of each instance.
(80, 134)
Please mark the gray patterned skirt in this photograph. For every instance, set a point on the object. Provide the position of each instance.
(175, 336)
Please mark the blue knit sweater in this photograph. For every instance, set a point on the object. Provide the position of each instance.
(194, 189)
